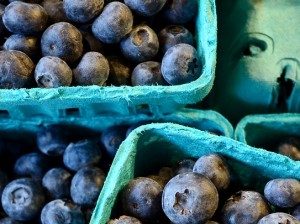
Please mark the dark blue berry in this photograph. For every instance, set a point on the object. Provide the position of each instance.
(125, 219)
(82, 11)
(25, 18)
(278, 218)
(90, 43)
(145, 7)
(62, 40)
(55, 10)
(57, 183)
(60, 212)
(80, 154)
(8, 220)
(181, 64)
(189, 198)
(119, 71)
(93, 69)
(52, 72)
(140, 45)
(113, 23)
(23, 199)
(87, 179)
(296, 212)
(16, 69)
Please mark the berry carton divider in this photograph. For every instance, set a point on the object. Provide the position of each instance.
(152, 146)
(95, 100)
(265, 130)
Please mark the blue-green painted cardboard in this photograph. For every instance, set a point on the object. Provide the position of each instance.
(258, 58)
(151, 146)
(266, 130)
(94, 100)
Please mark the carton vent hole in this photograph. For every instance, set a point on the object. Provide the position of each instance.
(285, 89)
(142, 107)
(4, 113)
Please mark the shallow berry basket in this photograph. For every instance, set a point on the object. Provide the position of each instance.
(264, 130)
(152, 146)
(124, 100)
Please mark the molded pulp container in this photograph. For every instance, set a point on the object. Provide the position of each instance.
(267, 130)
(152, 146)
(95, 100)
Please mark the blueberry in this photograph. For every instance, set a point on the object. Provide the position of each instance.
(166, 172)
(57, 182)
(16, 69)
(25, 18)
(215, 168)
(52, 140)
(119, 71)
(159, 179)
(55, 10)
(60, 212)
(82, 11)
(90, 43)
(27, 44)
(184, 166)
(87, 179)
(80, 154)
(172, 35)
(141, 198)
(189, 198)
(62, 40)
(8, 220)
(290, 147)
(296, 212)
(278, 218)
(145, 7)
(179, 11)
(147, 73)
(140, 45)
(112, 137)
(113, 23)
(52, 72)
(125, 219)
(244, 207)
(181, 64)
(284, 193)
(23, 199)
(93, 69)
(33, 165)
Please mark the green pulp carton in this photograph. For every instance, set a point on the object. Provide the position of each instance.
(95, 100)
(152, 146)
(266, 130)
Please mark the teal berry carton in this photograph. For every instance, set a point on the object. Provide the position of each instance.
(152, 146)
(98, 100)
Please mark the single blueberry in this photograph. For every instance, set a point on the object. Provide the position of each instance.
(113, 23)
(87, 179)
(55, 10)
(27, 44)
(181, 64)
(52, 72)
(145, 7)
(119, 71)
(166, 172)
(22, 199)
(189, 198)
(215, 168)
(52, 140)
(90, 43)
(16, 69)
(159, 179)
(172, 35)
(60, 212)
(179, 11)
(82, 11)
(125, 219)
(140, 45)
(8, 220)
(184, 166)
(33, 165)
(244, 207)
(80, 154)
(57, 182)
(278, 218)
(112, 137)
(142, 198)
(25, 18)
(284, 193)
(290, 147)
(62, 40)
(93, 69)
(147, 73)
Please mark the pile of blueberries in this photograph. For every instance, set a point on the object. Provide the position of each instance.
(206, 191)
(52, 43)
(58, 178)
